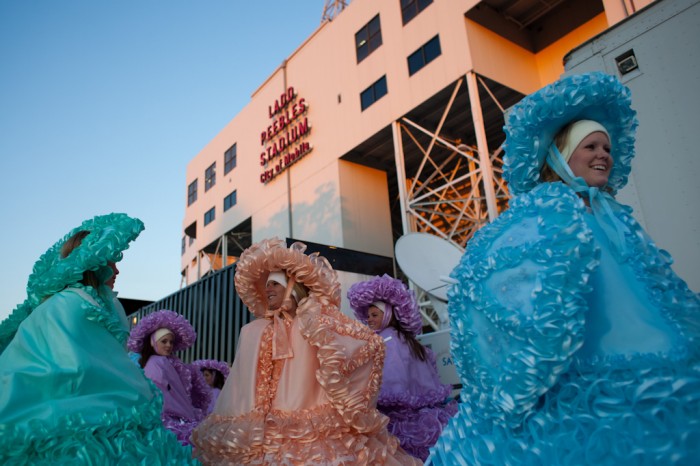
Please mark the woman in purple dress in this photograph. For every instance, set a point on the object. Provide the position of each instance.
(411, 394)
(186, 395)
(215, 374)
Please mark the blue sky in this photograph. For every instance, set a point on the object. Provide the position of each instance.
(103, 104)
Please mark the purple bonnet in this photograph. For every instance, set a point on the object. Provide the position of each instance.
(212, 364)
(391, 291)
(183, 332)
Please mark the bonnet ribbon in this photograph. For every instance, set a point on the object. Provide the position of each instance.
(281, 347)
(603, 205)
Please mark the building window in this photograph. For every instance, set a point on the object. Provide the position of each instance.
(373, 93)
(230, 159)
(411, 8)
(424, 55)
(368, 39)
(210, 177)
(183, 246)
(209, 216)
(191, 240)
(192, 193)
(230, 201)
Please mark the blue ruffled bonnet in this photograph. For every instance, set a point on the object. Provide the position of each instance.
(534, 121)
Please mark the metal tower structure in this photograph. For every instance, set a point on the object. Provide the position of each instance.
(332, 8)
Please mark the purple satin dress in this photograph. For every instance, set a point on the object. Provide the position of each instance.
(412, 396)
(177, 382)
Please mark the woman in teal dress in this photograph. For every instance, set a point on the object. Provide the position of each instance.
(575, 340)
(70, 394)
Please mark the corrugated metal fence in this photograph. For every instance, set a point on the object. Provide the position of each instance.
(215, 311)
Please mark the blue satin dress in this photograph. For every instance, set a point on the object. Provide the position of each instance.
(70, 394)
(569, 352)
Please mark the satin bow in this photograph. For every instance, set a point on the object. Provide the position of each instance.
(603, 205)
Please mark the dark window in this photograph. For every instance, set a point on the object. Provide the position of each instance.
(373, 93)
(183, 246)
(192, 192)
(411, 8)
(210, 177)
(230, 159)
(230, 201)
(424, 55)
(368, 39)
(209, 216)
(191, 240)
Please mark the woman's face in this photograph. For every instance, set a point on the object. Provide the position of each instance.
(591, 159)
(374, 318)
(164, 346)
(208, 377)
(115, 270)
(275, 294)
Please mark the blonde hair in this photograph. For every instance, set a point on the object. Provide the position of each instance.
(547, 175)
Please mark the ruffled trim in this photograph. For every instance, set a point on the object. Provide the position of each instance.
(534, 121)
(640, 416)
(268, 255)
(110, 236)
(509, 351)
(123, 436)
(679, 305)
(346, 430)
(389, 290)
(319, 326)
(103, 314)
(184, 333)
(195, 386)
(410, 401)
(213, 364)
(419, 429)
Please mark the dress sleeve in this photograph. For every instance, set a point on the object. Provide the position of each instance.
(351, 357)
(517, 313)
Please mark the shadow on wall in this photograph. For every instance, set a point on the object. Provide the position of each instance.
(315, 219)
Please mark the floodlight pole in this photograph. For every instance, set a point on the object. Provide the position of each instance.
(482, 146)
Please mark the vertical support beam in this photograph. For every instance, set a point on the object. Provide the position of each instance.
(224, 250)
(400, 174)
(482, 146)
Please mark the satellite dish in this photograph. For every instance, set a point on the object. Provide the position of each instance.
(427, 261)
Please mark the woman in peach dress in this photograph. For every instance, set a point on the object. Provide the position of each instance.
(303, 387)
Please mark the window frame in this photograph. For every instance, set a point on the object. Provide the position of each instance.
(192, 192)
(416, 7)
(230, 159)
(210, 177)
(423, 56)
(209, 216)
(375, 89)
(366, 41)
(234, 195)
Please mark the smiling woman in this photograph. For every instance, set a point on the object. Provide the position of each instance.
(304, 384)
(575, 340)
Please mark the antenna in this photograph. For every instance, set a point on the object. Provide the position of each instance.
(427, 261)
(332, 8)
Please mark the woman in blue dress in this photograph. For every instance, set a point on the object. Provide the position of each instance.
(69, 393)
(575, 341)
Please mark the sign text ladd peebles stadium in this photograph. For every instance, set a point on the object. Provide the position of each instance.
(284, 140)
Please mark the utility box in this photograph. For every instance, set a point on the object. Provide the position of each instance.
(656, 53)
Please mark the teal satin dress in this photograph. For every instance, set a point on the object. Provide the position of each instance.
(69, 394)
